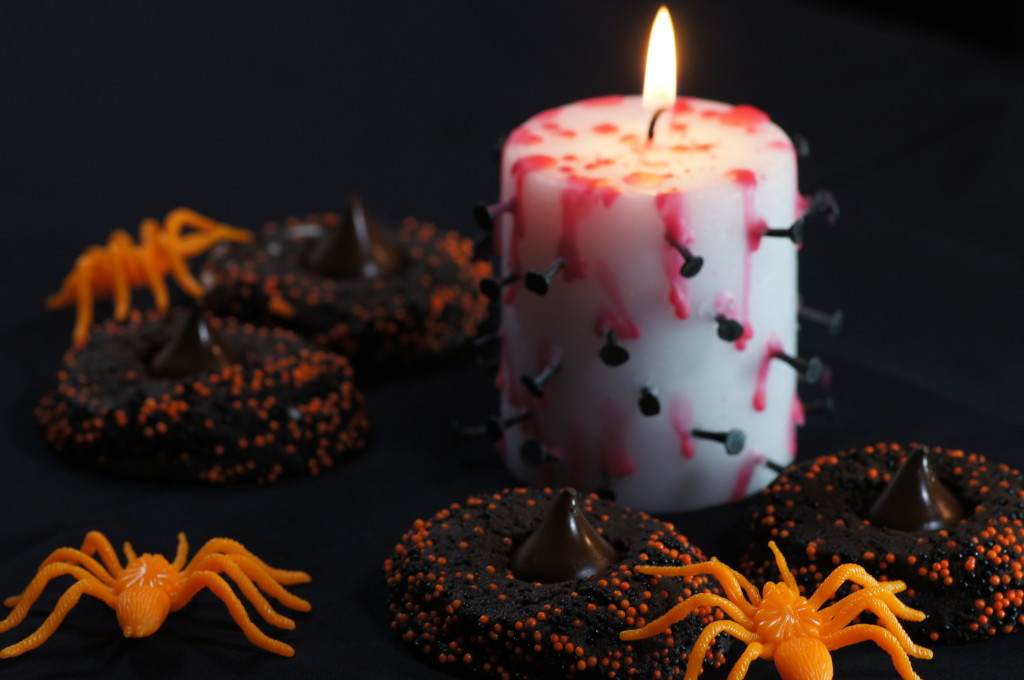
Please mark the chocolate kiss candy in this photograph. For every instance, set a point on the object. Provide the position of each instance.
(196, 347)
(354, 249)
(915, 500)
(563, 547)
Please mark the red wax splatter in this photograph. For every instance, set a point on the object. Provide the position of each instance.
(644, 179)
(797, 417)
(609, 100)
(549, 114)
(783, 144)
(672, 209)
(617, 461)
(578, 198)
(682, 105)
(523, 136)
(680, 412)
(745, 116)
(755, 226)
(750, 463)
(521, 169)
(613, 316)
(802, 203)
(771, 347)
(678, 127)
(599, 163)
(606, 129)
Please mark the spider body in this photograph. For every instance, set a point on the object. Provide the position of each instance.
(795, 631)
(113, 270)
(149, 587)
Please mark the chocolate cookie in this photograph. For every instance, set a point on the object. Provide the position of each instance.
(465, 588)
(963, 569)
(191, 398)
(353, 288)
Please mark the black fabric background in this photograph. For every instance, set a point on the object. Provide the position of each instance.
(113, 111)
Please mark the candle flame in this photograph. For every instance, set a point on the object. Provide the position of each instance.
(660, 75)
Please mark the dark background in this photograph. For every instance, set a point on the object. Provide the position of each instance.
(250, 111)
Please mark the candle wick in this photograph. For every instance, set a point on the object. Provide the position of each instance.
(654, 119)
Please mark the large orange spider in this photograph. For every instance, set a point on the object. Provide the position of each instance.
(148, 587)
(778, 623)
(101, 271)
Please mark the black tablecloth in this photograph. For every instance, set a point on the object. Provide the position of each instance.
(116, 111)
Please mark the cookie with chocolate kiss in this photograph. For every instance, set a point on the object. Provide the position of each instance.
(948, 523)
(190, 397)
(346, 284)
(532, 583)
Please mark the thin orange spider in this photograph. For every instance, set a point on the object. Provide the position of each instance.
(121, 264)
(778, 623)
(148, 587)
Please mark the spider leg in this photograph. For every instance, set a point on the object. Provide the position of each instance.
(129, 551)
(66, 602)
(850, 572)
(734, 583)
(700, 648)
(742, 665)
(682, 610)
(149, 250)
(119, 247)
(258, 572)
(84, 295)
(193, 244)
(95, 542)
(179, 270)
(72, 556)
(182, 554)
(230, 546)
(881, 637)
(787, 575)
(219, 587)
(28, 597)
(224, 564)
(886, 607)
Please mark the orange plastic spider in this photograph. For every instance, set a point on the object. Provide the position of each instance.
(778, 623)
(101, 271)
(148, 587)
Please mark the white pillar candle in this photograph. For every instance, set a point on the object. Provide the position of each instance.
(584, 186)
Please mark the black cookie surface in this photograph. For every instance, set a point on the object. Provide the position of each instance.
(454, 599)
(968, 579)
(288, 407)
(429, 306)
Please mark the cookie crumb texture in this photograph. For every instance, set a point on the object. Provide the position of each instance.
(288, 408)
(453, 598)
(969, 579)
(431, 306)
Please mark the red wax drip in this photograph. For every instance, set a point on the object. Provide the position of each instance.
(680, 412)
(797, 417)
(578, 198)
(755, 226)
(609, 100)
(617, 460)
(523, 136)
(760, 396)
(745, 116)
(521, 169)
(606, 129)
(672, 209)
(615, 316)
(750, 463)
(645, 179)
